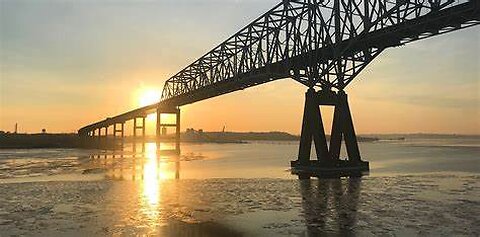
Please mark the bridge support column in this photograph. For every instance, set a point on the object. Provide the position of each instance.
(118, 130)
(122, 134)
(93, 139)
(136, 126)
(134, 136)
(158, 127)
(312, 127)
(99, 138)
(161, 127)
(114, 132)
(177, 131)
(342, 126)
(328, 162)
(143, 130)
(105, 141)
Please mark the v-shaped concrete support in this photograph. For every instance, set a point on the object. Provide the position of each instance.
(313, 129)
(342, 126)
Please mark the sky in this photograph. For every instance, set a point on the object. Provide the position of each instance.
(65, 64)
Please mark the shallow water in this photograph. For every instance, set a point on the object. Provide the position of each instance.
(415, 187)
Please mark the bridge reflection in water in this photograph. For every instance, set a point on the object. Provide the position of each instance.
(152, 163)
(147, 192)
(146, 198)
(330, 205)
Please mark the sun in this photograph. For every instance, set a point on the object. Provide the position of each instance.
(149, 96)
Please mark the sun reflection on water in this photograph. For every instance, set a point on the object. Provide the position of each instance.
(155, 172)
(151, 173)
(149, 169)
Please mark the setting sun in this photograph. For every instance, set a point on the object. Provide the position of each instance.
(239, 118)
(149, 96)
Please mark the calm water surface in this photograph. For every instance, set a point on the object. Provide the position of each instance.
(416, 186)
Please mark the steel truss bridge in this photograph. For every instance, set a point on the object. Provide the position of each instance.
(322, 44)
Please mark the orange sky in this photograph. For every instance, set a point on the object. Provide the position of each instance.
(66, 64)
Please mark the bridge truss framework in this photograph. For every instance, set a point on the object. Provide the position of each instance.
(322, 44)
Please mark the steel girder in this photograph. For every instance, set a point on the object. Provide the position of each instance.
(323, 44)
(318, 43)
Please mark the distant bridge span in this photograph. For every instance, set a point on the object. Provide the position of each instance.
(322, 44)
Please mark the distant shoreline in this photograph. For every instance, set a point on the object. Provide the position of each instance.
(72, 140)
(34, 141)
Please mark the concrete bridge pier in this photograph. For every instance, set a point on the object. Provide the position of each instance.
(105, 141)
(99, 138)
(328, 162)
(161, 127)
(158, 126)
(136, 126)
(90, 138)
(177, 131)
(120, 130)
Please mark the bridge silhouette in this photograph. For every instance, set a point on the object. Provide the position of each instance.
(322, 44)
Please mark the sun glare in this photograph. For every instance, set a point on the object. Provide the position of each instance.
(154, 173)
(149, 96)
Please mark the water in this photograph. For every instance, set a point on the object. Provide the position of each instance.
(418, 186)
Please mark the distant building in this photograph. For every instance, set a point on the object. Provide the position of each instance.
(190, 131)
(44, 130)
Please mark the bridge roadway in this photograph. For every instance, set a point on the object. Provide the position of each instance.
(321, 44)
